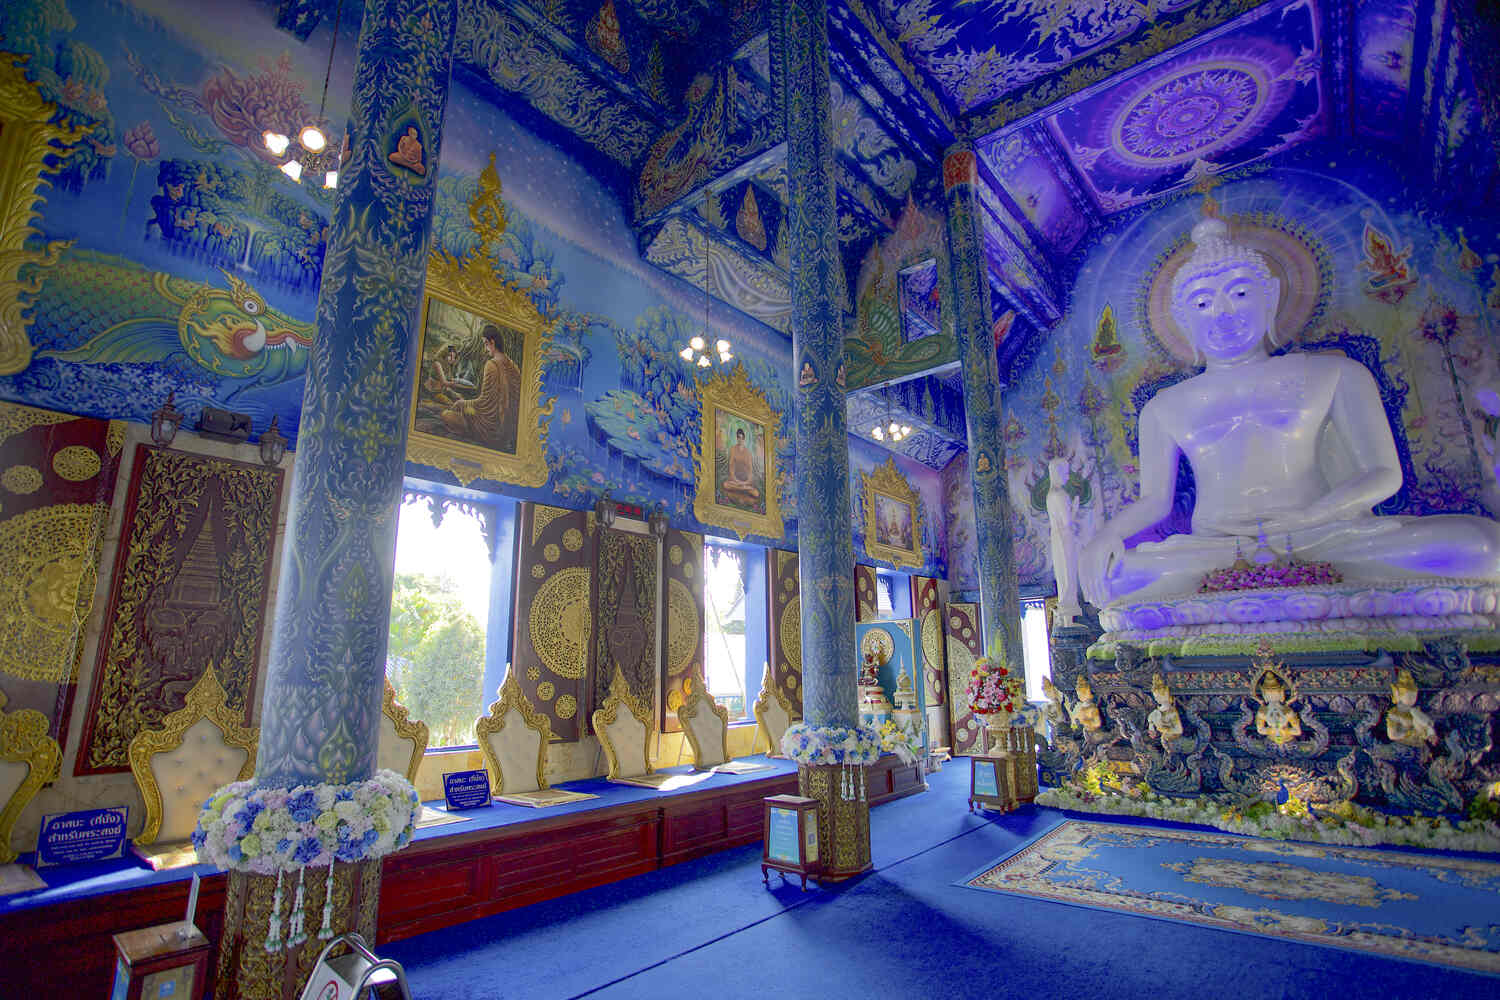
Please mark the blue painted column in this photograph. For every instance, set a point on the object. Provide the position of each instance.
(321, 706)
(999, 597)
(825, 541)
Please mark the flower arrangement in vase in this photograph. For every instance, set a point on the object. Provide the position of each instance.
(993, 692)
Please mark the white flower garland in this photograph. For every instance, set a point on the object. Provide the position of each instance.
(831, 744)
(273, 831)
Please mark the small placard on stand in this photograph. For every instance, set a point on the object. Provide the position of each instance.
(990, 783)
(467, 789)
(153, 963)
(791, 838)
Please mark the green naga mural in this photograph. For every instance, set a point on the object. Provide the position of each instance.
(146, 317)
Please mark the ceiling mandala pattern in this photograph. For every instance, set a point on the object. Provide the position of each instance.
(1252, 92)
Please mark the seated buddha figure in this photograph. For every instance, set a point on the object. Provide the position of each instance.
(1084, 712)
(1276, 720)
(1163, 721)
(1296, 445)
(1404, 721)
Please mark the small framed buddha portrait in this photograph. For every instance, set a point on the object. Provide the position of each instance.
(737, 486)
(893, 518)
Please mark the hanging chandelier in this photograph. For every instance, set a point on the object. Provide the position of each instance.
(892, 429)
(696, 352)
(313, 154)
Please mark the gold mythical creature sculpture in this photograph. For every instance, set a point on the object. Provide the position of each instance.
(1276, 719)
(1163, 720)
(1084, 712)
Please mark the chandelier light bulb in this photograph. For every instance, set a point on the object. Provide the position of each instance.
(877, 434)
(686, 354)
(312, 138)
(724, 357)
(723, 346)
(696, 343)
(292, 169)
(703, 361)
(905, 429)
(275, 142)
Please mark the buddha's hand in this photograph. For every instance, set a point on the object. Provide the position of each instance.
(1100, 561)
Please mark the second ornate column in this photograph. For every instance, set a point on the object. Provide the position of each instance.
(315, 819)
(825, 541)
(999, 596)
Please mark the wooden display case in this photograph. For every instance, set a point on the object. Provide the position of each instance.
(791, 838)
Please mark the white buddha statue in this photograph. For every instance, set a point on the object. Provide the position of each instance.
(1062, 518)
(1297, 445)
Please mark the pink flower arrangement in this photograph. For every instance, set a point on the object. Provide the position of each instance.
(991, 691)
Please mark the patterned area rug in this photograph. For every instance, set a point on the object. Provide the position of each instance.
(1402, 904)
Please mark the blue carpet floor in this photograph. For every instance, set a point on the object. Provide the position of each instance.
(709, 929)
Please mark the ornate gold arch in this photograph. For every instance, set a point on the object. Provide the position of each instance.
(733, 394)
(27, 138)
(886, 480)
(470, 284)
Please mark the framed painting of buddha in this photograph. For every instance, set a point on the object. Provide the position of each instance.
(476, 406)
(736, 485)
(893, 517)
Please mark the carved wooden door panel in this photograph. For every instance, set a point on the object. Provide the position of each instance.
(627, 598)
(929, 615)
(786, 627)
(553, 619)
(683, 576)
(961, 626)
(191, 578)
(866, 601)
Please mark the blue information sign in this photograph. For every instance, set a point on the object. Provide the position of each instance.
(86, 835)
(984, 778)
(784, 846)
(467, 789)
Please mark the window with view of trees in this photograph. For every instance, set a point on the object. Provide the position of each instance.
(441, 613)
(734, 632)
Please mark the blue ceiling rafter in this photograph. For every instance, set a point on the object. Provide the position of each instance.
(679, 247)
(1063, 170)
(1107, 66)
(884, 64)
(580, 55)
(301, 17)
(918, 144)
(997, 200)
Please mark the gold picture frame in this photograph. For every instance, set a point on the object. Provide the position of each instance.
(893, 517)
(452, 424)
(730, 491)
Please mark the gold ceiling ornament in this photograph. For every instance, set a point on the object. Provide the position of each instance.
(469, 285)
(728, 399)
(27, 137)
(561, 623)
(893, 517)
(493, 721)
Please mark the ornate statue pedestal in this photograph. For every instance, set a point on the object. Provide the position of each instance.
(246, 971)
(1327, 617)
(843, 823)
(874, 707)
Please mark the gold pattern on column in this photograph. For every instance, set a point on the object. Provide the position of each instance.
(27, 138)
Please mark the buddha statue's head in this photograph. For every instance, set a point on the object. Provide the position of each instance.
(1271, 689)
(1404, 690)
(1224, 296)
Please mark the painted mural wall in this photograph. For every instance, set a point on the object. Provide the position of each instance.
(189, 264)
(1369, 269)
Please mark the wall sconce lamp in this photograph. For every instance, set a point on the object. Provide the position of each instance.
(604, 510)
(165, 421)
(272, 444)
(658, 521)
